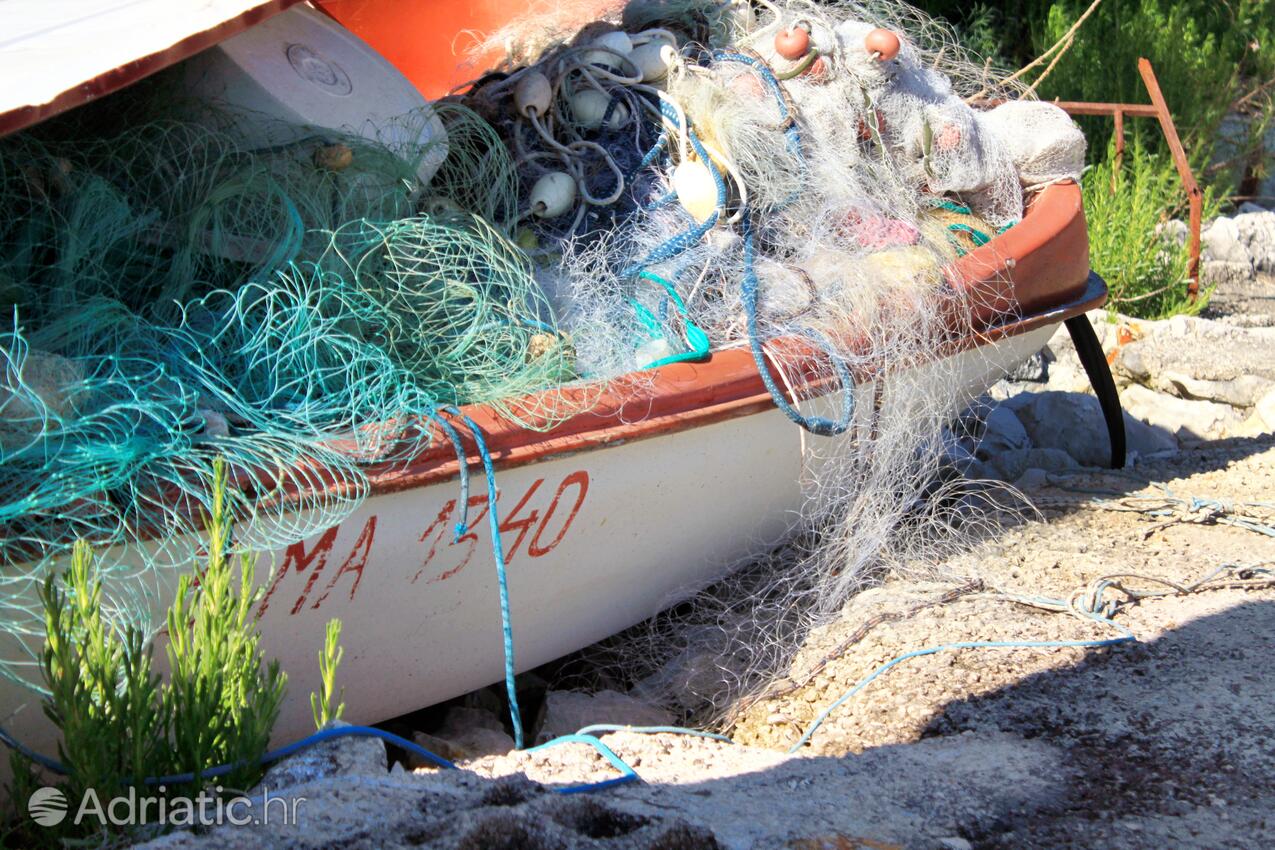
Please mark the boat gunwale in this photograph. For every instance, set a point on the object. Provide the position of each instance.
(438, 464)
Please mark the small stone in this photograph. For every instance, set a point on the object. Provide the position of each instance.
(349, 756)
(1243, 391)
(1002, 431)
(1034, 369)
(1073, 423)
(1256, 229)
(215, 424)
(955, 842)
(1223, 242)
(565, 712)
(1174, 231)
(1221, 272)
(48, 389)
(470, 733)
(437, 746)
(1012, 465)
(1265, 410)
(1185, 419)
(1032, 479)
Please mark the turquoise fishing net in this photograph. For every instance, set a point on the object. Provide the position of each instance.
(171, 296)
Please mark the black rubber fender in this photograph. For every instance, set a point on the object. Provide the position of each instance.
(1094, 360)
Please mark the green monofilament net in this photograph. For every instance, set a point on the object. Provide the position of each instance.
(172, 297)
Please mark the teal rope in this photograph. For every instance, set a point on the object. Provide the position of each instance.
(695, 335)
(979, 237)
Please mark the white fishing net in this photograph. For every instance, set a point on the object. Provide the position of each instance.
(1043, 142)
(799, 179)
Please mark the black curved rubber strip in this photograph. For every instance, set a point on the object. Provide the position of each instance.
(1104, 386)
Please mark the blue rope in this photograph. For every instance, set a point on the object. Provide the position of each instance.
(627, 773)
(270, 757)
(700, 345)
(309, 741)
(1126, 637)
(653, 154)
(498, 550)
(462, 527)
(684, 240)
(662, 201)
(814, 424)
(768, 77)
(39, 758)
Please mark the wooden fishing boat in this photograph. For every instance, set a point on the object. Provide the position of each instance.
(605, 519)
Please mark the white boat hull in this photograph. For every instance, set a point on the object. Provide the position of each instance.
(595, 541)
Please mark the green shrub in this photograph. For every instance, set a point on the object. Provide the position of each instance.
(1147, 274)
(1201, 53)
(118, 722)
(103, 696)
(220, 705)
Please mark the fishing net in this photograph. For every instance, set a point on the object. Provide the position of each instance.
(186, 282)
(299, 309)
(799, 180)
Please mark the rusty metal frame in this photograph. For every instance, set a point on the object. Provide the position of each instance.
(1157, 109)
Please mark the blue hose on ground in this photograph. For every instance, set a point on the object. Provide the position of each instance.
(653, 730)
(1127, 637)
(269, 758)
(627, 774)
(306, 742)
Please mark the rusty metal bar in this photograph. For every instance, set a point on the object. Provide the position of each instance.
(1159, 110)
(1078, 107)
(1194, 196)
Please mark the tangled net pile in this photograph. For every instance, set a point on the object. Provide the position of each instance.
(799, 179)
(301, 310)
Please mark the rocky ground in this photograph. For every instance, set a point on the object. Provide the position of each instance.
(1166, 742)
(1163, 743)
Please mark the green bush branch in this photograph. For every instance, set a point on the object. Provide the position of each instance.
(322, 703)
